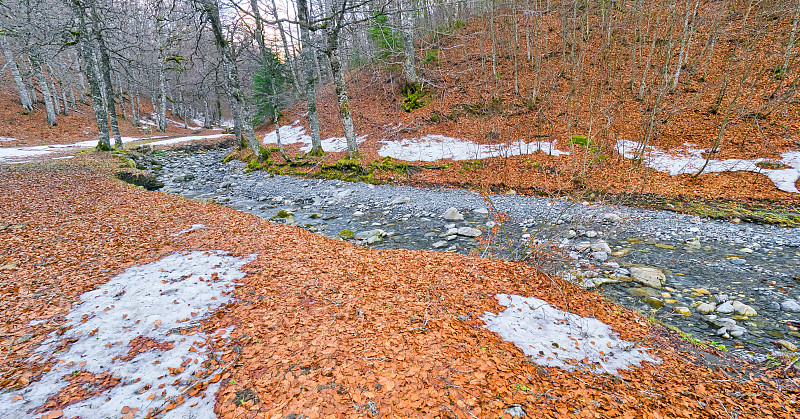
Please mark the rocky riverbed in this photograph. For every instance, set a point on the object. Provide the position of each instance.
(734, 284)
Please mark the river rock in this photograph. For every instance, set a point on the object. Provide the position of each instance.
(481, 211)
(590, 234)
(601, 246)
(469, 232)
(725, 308)
(790, 305)
(440, 244)
(600, 256)
(683, 311)
(612, 218)
(789, 346)
(400, 200)
(743, 309)
(652, 277)
(654, 302)
(706, 308)
(364, 235)
(572, 234)
(452, 214)
(358, 214)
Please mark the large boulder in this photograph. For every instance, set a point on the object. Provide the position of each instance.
(651, 277)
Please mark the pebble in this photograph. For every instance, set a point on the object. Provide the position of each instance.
(706, 308)
(725, 308)
(743, 309)
(452, 214)
(790, 305)
(789, 346)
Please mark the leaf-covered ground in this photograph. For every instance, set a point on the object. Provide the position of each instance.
(323, 328)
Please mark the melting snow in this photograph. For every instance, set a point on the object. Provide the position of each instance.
(149, 301)
(437, 147)
(296, 134)
(691, 159)
(8, 139)
(13, 154)
(556, 338)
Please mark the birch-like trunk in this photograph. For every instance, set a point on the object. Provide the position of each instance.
(342, 98)
(408, 23)
(310, 84)
(161, 115)
(48, 99)
(52, 75)
(237, 99)
(24, 97)
(86, 48)
(105, 68)
(792, 35)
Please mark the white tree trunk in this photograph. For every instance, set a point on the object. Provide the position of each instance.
(48, 99)
(310, 84)
(408, 24)
(24, 97)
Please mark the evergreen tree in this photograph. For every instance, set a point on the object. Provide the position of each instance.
(269, 81)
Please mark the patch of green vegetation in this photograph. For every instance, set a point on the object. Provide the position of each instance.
(283, 214)
(143, 179)
(414, 96)
(701, 343)
(229, 158)
(434, 166)
(432, 56)
(581, 140)
(471, 165)
(346, 234)
(771, 164)
(771, 212)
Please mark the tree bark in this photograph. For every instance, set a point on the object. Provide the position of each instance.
(408, 23)
(238, 101)
(48, 99)
(292, 63)
(86, 48)
(310, 84)
(24, 97)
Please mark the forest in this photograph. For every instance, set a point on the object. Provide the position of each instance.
(386, 208)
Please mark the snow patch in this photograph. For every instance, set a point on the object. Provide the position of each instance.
(437, 147)
(690, 160)
(13, 154)
(153, 301)
(555, 338)
(296, 134)
(8, 139)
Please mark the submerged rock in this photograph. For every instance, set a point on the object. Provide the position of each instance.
(652, 277)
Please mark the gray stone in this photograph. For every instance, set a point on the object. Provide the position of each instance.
(374, 239)
(572, 234)
(791, 305)
(481, 211)
(652, 277)
(612, 218)
(515, 411)
(743, 309)
(469, 232)
(440, 244)
(452, 214)
(600, 256)
(364, 235)
(706, 308)
(725, 308)
(400, 200)
(590, 234)
(600, 246)
(789, 346)
(358, 214)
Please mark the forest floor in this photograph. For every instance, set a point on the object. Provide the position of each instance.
(316, 326)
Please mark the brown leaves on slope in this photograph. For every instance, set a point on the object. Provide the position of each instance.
(324, 328)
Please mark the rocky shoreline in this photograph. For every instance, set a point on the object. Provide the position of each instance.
(729, 284)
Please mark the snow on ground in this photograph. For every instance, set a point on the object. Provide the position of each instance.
(556, 338)
(8, 139)
(185, 139)
(296, 134)
(153, 301)
(13, 154)
(437, 147)
(690, 160)
(427, 148)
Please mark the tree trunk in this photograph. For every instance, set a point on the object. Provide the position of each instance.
(161, 114)
(238, 101)
(785, 66)
(86, 48)
(310, 84)
(407, 22)
(24, 97)
(52, 75)
(48, 99)
(105, 68)
(341, 96)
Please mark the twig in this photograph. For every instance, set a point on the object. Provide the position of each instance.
(791, 363)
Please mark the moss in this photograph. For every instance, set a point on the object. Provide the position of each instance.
(283, 214)
(346, 234)
(138, 178)
(414, 96)
(229, 158)
(581, 140)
